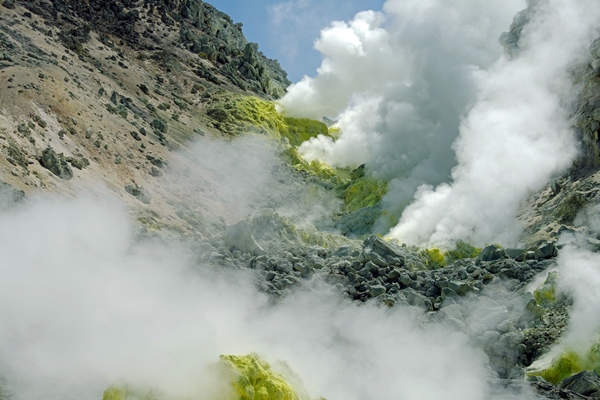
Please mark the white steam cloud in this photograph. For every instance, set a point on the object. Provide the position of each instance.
(236, 178)
(84, 305)
(579, 271)
(515, 137)
(398, 81)
(578, 266)
(406, 83)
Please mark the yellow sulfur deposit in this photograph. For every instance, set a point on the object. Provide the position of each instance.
(545, 295)
(250, 377)
(364, 192)
(125, 393)
(566, 364)
(253, 379)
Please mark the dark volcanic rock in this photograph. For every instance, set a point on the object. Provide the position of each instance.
(382, 253)
(491, 253)
(545, 251)
(138, 192)
(586, 383)
(203, 30)
(549, 391)
(56, 163)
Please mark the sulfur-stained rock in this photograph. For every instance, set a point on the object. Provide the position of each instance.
(253, 379)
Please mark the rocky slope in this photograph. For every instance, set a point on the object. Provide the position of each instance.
(130, 97)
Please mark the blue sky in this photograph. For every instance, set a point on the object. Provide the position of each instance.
(286, 30)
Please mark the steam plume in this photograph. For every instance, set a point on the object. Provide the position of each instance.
(516, 136)
(440, 73)
(84, 305)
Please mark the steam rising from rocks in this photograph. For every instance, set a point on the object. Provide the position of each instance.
(399, 82)
(85, 304)
(515, 138)
(444, 105)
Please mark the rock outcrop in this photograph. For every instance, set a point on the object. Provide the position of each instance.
(153, 25)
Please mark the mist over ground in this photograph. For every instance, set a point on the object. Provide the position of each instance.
(86, 303)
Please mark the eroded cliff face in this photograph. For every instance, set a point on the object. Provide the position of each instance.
(153, 26)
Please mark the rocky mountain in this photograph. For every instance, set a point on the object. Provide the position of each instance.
(165, 106)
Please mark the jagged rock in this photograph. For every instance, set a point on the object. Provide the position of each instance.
(491, 253)
(448, 293)
(10, 4)
(414, 298)
(505, 351)
(376, 290)
(138, 192)
(506, 326)
(343, 251)
(239, 236)
(159, 125)
(545, 251)
(516, 254)
(375, 258)
(460, 288)
(379, 251)
(56, 163)
(78, 162)
(586, 383)
(452, 314)
(314, 261)
(404, 278)
(549, 391)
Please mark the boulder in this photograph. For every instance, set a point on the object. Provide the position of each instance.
(239, 237)
(376, 290)
(516, 254)
(56, 163)
(416, 299)
(388, 253)
(138, 192)
(343, 251)
(492, 253)
(460, 288)
(546, 250)
(375, 258)
(585, 383)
